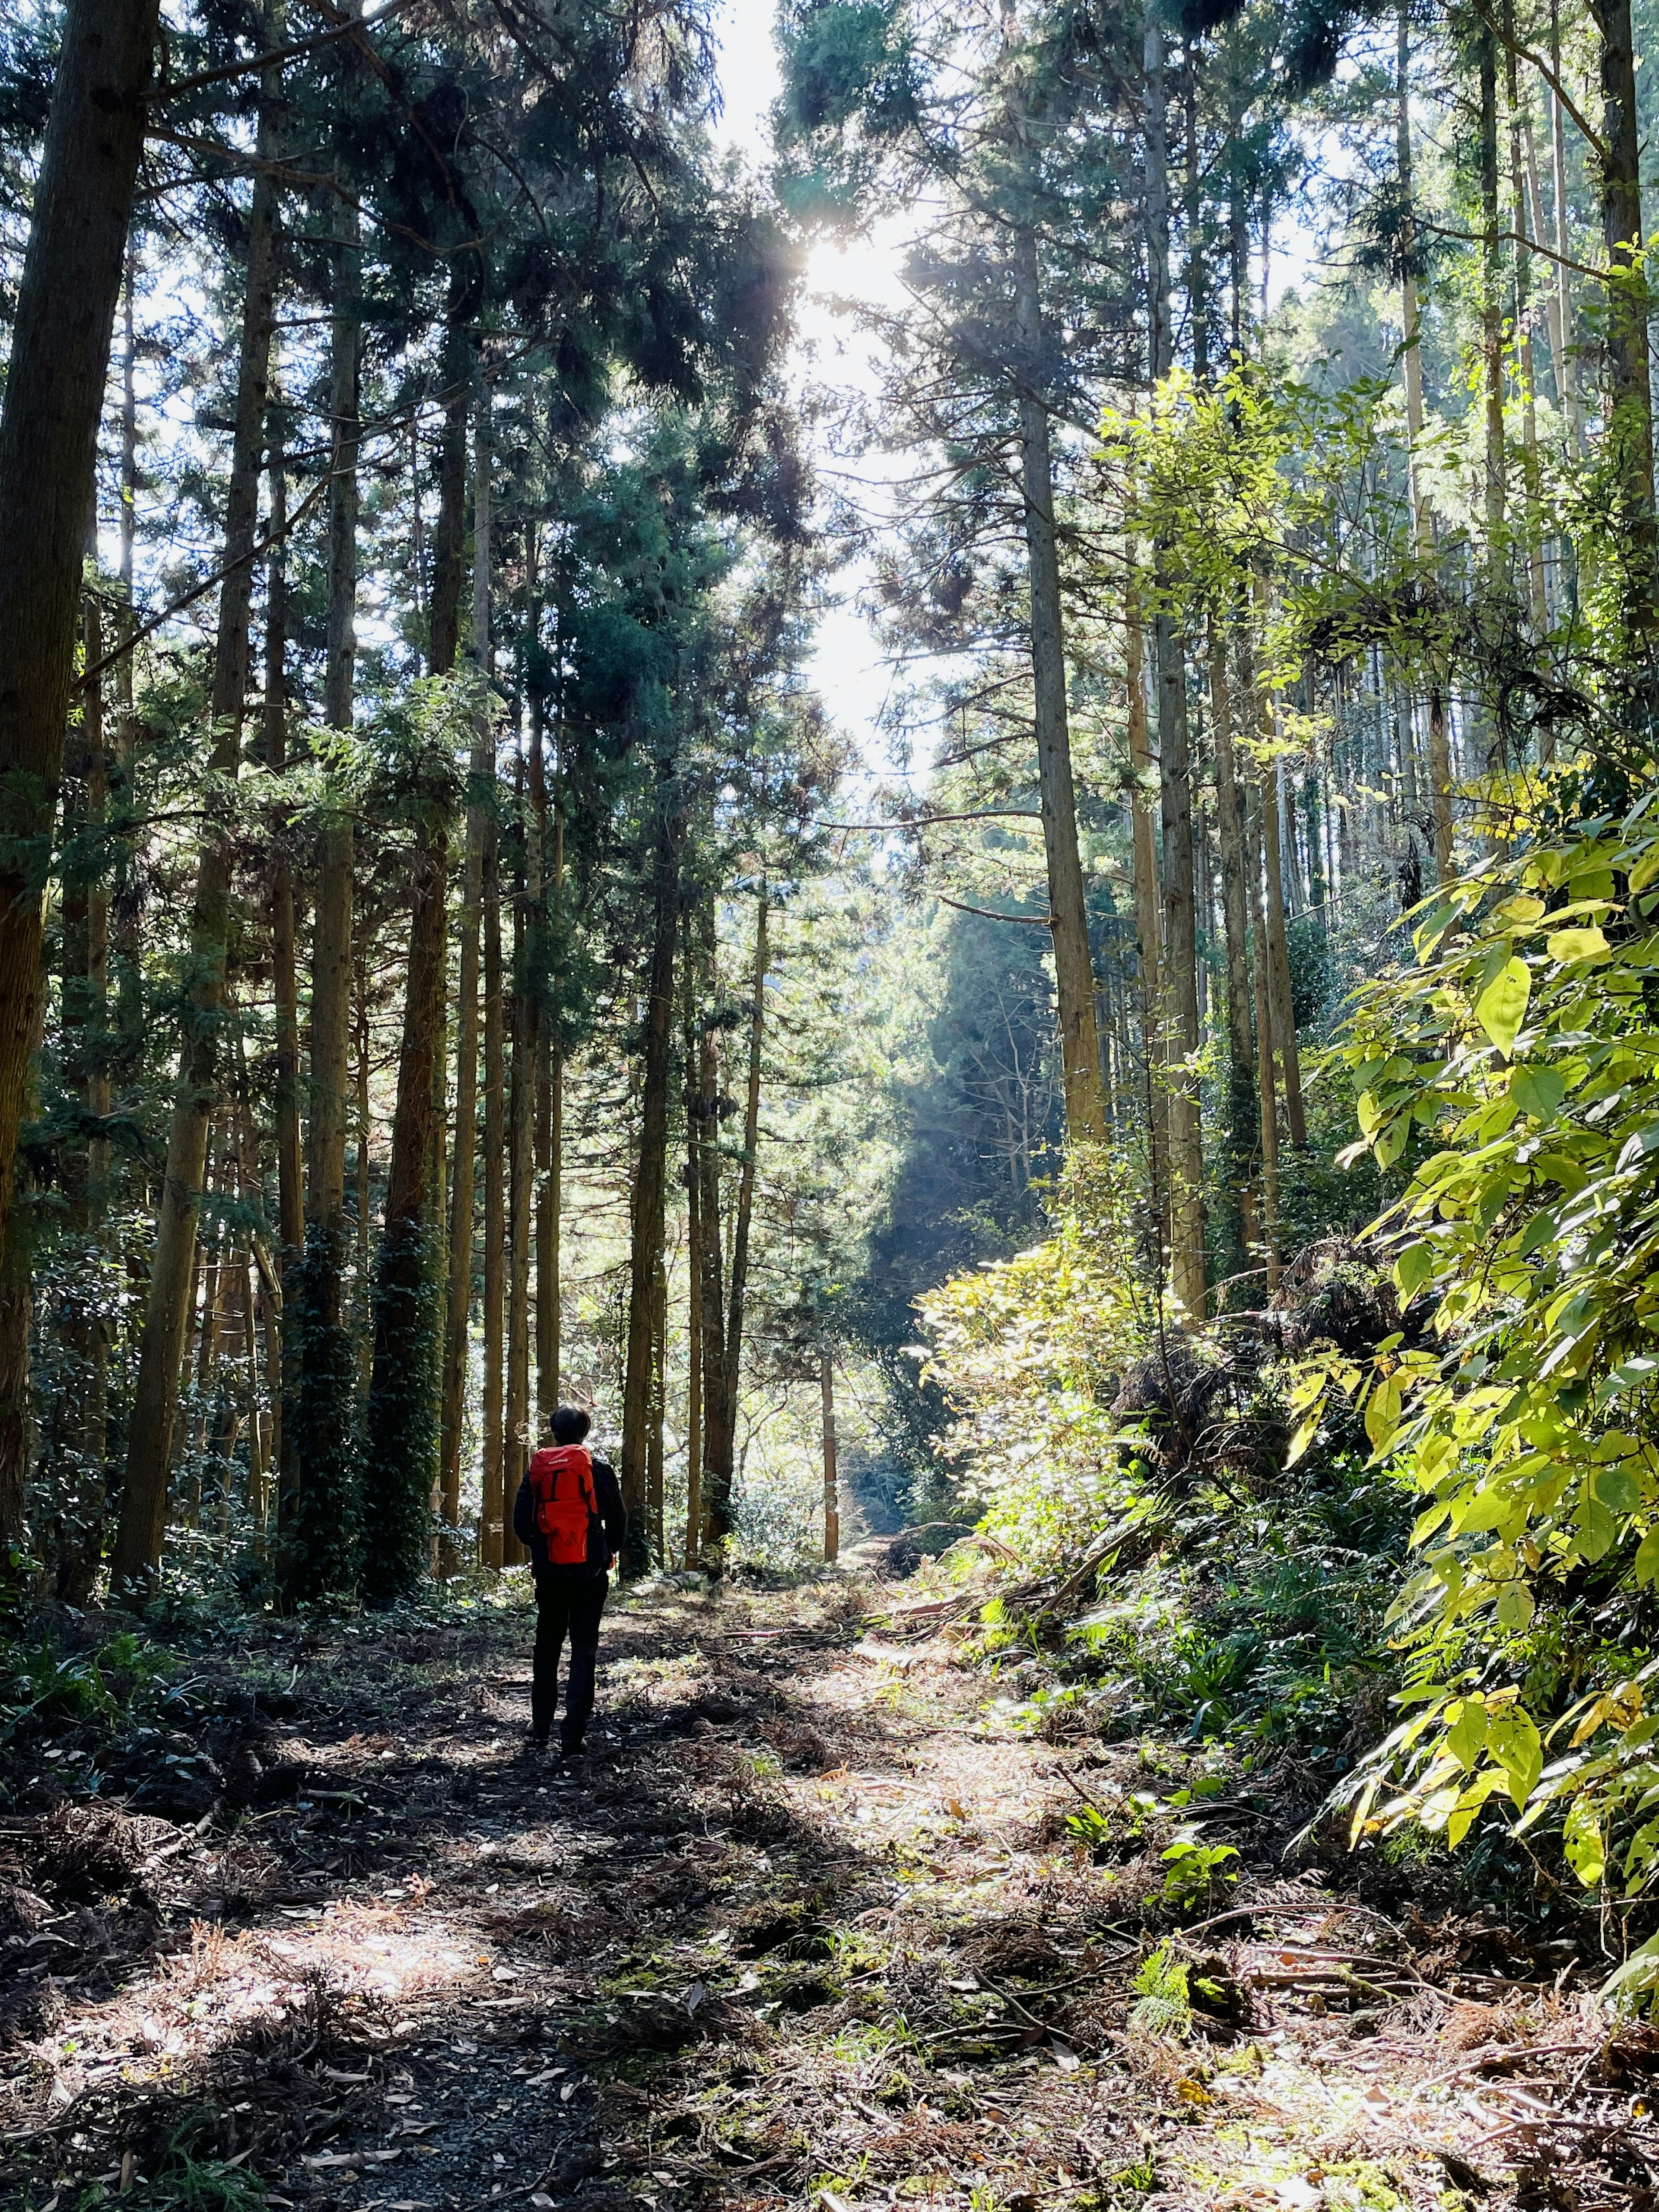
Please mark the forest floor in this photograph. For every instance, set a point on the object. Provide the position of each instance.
(815, 1929)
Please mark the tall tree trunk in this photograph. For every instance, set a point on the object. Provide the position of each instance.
(1537, 602)
(650, 1178)
(1567, 368)
(405, 1374)
(831, 1493)
(1229, 835)
(738, 1289)
(1629, 435)
(285, 992)
(693, 1265)
(1148, 930)
(493, 1533)
(54, 395)
(1492, 309)
(320, 1554)
(445, 591)
(1068, 918)
(527, 1055)
(83, 1013)
(1279, 966)
(659, 1410)
(550, 1165)
(1178, 950)
(1261, 962)
(149, 1436)
(717, 1407)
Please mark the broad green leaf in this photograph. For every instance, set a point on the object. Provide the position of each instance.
(1585, 1846)
(1502, 1006)
(1537, 1090)
(1647, 1557)
(1383, 1413)
(1413, 1269)
(1515, 1611)
(1514, 1742)
(1466, 1739)
(1618, 1488)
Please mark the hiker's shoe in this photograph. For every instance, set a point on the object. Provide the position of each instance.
(534, 1745)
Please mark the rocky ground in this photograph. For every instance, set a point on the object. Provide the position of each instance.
(828, 1921)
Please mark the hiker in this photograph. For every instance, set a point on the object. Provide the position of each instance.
(568, 1514)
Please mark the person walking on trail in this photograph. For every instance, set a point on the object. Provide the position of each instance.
(568, 1514)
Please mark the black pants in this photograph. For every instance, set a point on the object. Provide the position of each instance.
(568, 1602)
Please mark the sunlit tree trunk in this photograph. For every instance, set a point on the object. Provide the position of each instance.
(1230, 837)
(493, 1536)
(1144, 871)
(1260, 963)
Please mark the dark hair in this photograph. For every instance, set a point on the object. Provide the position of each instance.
(570, 1425)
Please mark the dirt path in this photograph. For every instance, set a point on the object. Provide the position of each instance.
(826, 1922)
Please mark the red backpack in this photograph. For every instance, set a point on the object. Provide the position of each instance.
(566, 1509)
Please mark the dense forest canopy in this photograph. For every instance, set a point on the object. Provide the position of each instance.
(1199, 1123)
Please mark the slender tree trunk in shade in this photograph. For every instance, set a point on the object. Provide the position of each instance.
(1537, 602)
(653, 1450)
(550, 1163)
(1068, 919)
(1278, 968)
(742, 1220)
(80, 1446)
(831, 1490)
(492, 1537)
(1491, 310)
(58, 361)
(694, 1264)
(526, 1054)
(17, 1298)
(717, 1408)
(290, 1185)
(321, 1552)
(150, 1436)
(1264, 1030)
(1229, 836)
(650, 1180)
(446, 585)
(1567, 367)
(1629, 432)
(1439, 761)
(1148, 930)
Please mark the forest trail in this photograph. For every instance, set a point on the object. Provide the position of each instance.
(814, 1929)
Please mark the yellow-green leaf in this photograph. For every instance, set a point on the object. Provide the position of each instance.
(1466, 1739)
(1514, 1742)
(1570, 945)
(1502, 1006)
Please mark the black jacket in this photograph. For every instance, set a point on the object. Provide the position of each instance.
(607, 1491)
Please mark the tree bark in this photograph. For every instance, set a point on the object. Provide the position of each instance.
(717, 1408)
(1629, 434)
(149, 1438)
(831, 1493)
(54, 395)
(1264, 1032)
(738, 1289)
(459, 1304)
(520, 1147)
(1068, 918)
(1178, 950)
(693, 1279)
(493, 1533)
(1229, 836)
(1148, 930)
(320, 1554)
(650, 1180)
